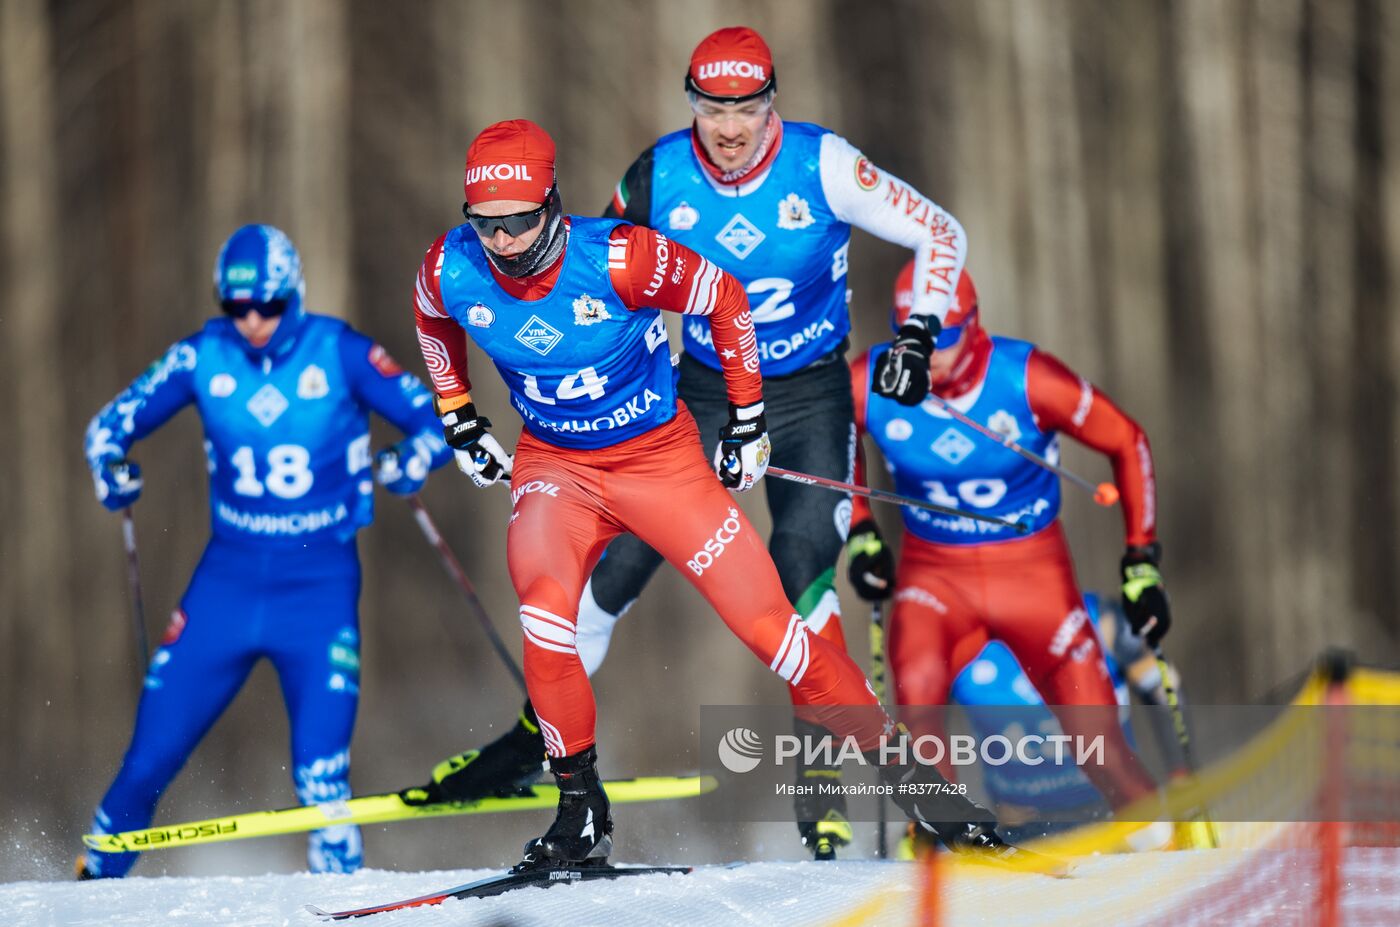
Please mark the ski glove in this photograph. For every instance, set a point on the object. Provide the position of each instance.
(902, 373)
(869, 563)
(117, 481)
(479, 455)
(741, 458)
(403, 468)
(1144, 596)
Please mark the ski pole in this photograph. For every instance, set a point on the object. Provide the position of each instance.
(133, 582)
(877, 681)
(881, 495)
(1183, 736)
(454, 569)
(1104, 494)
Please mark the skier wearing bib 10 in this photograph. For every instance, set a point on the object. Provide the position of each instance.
(960, 583)
(566, 308)
(284, 397)
(771, 202)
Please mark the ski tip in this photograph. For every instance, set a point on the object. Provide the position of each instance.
(317, 912)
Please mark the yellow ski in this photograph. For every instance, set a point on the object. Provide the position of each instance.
(376, 809)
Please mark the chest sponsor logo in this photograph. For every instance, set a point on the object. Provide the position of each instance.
(222, 385)
(538, 335)
(480, 316)
(267, 404)
(1004, 424)
(953, 446)
(794, 213)
(312, 383)
(740, 236)
(899, 429)
(589, 310)
(683, 217)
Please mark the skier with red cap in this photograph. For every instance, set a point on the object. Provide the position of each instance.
(960, 583)
(567, 309)
(771, 202)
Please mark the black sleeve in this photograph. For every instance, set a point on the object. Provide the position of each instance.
(635, 190)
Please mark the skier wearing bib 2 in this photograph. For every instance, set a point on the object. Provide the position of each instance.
(566, 308)
(772, 203)
(960, 583)
(285, 398)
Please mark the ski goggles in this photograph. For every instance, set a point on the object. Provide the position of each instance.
(948, 337)
(515, 224)
(238, 308)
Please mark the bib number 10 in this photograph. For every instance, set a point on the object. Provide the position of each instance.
(288, 472)
(980, 494)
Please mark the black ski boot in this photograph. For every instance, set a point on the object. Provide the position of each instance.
(581, 834)
(959, 823)
(506, 766)
(818, 804)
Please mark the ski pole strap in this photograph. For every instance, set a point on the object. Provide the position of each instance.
(881, 495)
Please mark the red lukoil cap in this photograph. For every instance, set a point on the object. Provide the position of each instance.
(731, 63)
(962, 310)
(511, 160)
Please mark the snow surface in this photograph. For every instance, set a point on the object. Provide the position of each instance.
(1109, 889)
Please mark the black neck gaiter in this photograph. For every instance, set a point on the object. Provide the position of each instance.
(545, 249)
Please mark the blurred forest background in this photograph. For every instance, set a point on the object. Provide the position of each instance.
(1196, 204)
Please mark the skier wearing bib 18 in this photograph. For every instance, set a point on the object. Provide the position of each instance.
(285, 397)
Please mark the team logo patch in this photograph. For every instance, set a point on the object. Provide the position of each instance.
(898, 429)
(538, 335)
(794, 213)
(740, 236)
(684, 217)
(867, 177)
(953, 446)
(267, 404)
(312, 383)
(481, 316)
(1004, 424)
(221, 385)
(386, 365)
(590, 311)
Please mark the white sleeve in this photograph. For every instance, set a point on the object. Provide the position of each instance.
(871, 199)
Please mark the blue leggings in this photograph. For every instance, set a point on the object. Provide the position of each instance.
(297, 606)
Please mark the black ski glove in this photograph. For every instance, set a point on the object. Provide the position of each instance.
(869, 563)
(1144, 596)
(902, 373)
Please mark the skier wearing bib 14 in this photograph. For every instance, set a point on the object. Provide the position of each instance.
(566, 308)
(960, 583)
(284, 397)
(772, 203)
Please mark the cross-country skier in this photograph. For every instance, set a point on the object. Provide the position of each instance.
(284, 397)
(566, 308)
(772, 203)
(960, 583)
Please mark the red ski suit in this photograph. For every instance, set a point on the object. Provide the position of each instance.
(950, 599)
(569, 503)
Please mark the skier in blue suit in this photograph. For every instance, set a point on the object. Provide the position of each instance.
(284, 397)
